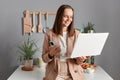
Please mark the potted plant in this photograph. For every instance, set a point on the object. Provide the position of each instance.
(89, 28)
(27, 50)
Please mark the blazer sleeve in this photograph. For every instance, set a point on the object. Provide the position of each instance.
(45, 50)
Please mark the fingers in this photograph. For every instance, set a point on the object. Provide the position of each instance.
(88, 57)
(57, 49)
(53, 50)
(80, 60)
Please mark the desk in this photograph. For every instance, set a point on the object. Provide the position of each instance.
(39, 73)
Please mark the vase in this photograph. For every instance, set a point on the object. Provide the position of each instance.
(90, 31)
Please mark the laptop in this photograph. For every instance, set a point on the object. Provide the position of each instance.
(89, 44)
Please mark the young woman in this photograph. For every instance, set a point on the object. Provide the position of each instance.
(63, 35)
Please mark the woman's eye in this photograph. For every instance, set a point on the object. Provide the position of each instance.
(65, 16)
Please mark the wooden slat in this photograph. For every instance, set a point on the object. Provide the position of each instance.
(42, 13)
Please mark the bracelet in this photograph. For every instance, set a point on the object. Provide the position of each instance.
(50, 56)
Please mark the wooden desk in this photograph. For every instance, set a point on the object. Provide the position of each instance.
(39, 73)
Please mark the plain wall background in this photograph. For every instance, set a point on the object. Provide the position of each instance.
(105, 14)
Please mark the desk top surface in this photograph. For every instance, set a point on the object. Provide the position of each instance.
(38, 74)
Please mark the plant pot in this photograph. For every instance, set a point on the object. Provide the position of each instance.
(90, 31)
(28, 63)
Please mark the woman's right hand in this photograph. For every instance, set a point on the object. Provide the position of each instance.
(53, 50)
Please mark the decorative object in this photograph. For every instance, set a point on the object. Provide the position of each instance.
(89, 28)
(40, 62)
(34, 23)
(27, 23)
(27, 50)
(31, 18)
(46, 23)
(88, 68)
(40, 23)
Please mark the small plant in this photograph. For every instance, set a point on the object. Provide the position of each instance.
(28, 49)
(89, 27)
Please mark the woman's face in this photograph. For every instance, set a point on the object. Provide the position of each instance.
(67, 17)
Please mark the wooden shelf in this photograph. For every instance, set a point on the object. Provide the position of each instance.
(42, 12)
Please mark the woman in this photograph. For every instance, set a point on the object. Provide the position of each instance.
(63, 35)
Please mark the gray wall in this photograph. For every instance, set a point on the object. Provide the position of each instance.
(104, 13)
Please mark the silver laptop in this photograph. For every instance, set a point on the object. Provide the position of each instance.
(89, 44)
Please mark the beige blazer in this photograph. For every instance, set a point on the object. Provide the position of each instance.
(52, 66)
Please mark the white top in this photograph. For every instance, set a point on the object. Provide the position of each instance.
(63, 46)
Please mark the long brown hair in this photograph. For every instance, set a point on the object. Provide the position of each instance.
(57, 27)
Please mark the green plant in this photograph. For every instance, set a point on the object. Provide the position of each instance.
(89, 27)
(92, 60)
(27, 49)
